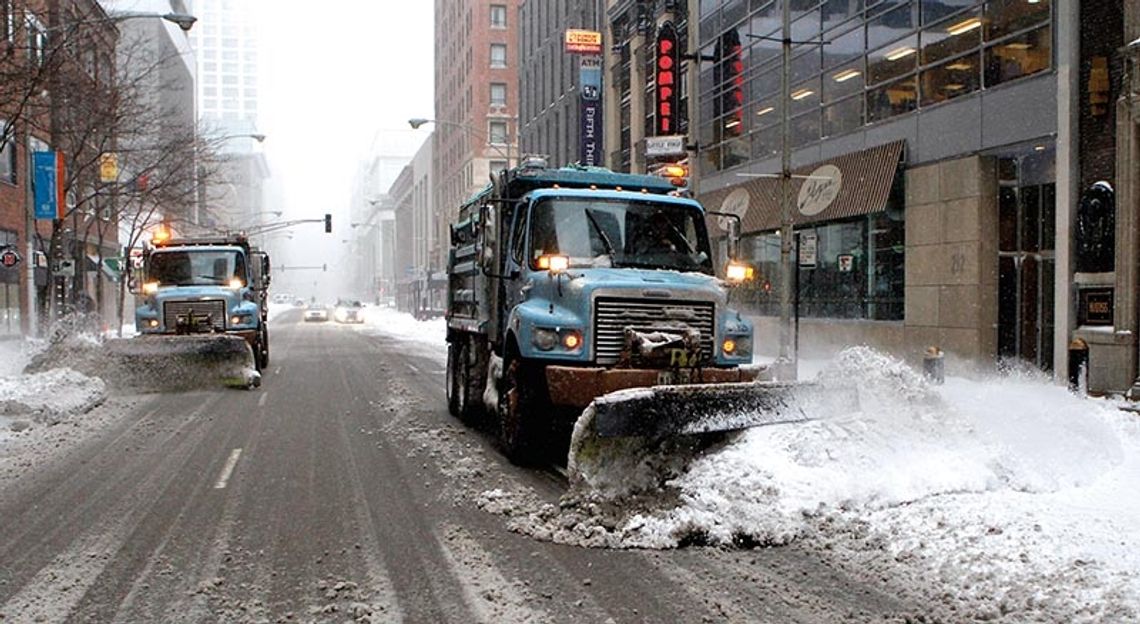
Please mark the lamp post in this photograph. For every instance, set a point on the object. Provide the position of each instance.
(184, 22)
(415, 123)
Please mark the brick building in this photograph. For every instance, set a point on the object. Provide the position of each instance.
(476, 96)
(83, 57)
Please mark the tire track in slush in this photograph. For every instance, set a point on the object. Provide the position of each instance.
(62, 583)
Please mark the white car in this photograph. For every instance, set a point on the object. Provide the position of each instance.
(349, 311)
(316, 312)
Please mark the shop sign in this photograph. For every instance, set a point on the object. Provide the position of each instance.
(809, 246)
(590, 112)
(583, 41)
(819, 190)
(1096, 306)
(736, 203)
(668, 84)
(108, 167)
(10, 258)
(846, 263)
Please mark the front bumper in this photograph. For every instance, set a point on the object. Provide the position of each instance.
(575, 386)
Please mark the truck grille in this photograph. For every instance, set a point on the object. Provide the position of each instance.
(216, 308)
(612, 316)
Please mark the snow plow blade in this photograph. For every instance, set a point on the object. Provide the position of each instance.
(663, 411)
(171, 363)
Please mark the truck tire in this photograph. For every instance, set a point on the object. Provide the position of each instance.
(523, 428)
(265, 347)
(454, 379)
(463, 388)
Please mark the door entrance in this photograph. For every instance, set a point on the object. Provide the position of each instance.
(1026, 261)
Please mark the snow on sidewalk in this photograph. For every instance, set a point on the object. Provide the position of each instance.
(428, 338)
(1006, 499)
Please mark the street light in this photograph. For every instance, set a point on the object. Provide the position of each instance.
(182, 20)
(416, 122)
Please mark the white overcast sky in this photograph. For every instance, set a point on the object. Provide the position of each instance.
(339, 76)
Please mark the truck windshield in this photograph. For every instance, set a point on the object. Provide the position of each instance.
(189, 267)
(604, 232)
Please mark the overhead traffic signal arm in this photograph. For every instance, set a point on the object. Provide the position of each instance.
(284, 225)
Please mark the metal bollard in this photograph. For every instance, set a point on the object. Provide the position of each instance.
(1078, 365)
(934, 365)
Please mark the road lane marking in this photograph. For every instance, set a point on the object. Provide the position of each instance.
(414, 369)
(228, 469)
(261, 401)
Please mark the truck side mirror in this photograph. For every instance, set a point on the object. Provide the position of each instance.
(733, 223)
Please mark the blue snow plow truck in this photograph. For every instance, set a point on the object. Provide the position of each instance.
(577, 286)
(202, 313)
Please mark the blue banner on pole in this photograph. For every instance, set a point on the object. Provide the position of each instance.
(590, 115)
(44, 183)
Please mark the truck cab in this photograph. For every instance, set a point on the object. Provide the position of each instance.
(201, 286)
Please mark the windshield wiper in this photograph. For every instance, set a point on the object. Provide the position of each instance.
(605, 239)
(212, 277)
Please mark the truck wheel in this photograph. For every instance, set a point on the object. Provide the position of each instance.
(265, 348)
(454, 379)
(522, 402)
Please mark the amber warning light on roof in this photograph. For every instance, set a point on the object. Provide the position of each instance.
(583, 41)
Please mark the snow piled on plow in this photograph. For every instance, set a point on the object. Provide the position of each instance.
(1003, 499)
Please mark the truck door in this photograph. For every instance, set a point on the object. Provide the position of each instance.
(516, 259)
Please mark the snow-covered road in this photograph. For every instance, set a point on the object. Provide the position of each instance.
(1000, 498)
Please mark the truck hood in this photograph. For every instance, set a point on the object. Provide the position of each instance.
(183, 293)
(640, 282)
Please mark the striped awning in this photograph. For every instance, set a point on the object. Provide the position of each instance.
(846, 186)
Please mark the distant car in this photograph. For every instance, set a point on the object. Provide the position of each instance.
(298, 303)
(316, 312)
(349, 311)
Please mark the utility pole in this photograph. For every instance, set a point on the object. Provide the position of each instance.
(788, 356)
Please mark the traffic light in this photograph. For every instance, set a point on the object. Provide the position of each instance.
(328, 224)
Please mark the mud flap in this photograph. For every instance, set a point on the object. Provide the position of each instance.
(162, 363)
(663, 411)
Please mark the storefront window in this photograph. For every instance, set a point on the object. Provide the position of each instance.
(805, 128)
(889, 20)
(836, 12)
(858, 271)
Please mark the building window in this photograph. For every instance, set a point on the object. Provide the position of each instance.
(498, 55)
(498, 94)
(7, 20)
(497, 132)
(37, 40)
(498, 16)
(8, 153)
(1018, 56)
(859, 271)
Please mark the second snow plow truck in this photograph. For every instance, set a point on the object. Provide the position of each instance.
(202, 317)
(577, 286)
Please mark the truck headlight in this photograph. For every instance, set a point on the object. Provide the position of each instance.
(544, 339)
(571, 340)
(239, 319)
(152, 323)
(737, 346)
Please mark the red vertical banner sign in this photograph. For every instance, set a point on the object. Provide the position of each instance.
(668, 79)
(60, 196)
